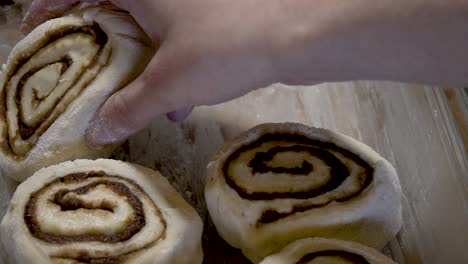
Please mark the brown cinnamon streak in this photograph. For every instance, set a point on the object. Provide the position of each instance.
(350, 257)
(26, 131)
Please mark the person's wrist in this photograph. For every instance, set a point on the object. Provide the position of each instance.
(308, 45)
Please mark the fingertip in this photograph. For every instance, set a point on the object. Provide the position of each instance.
(180, 115)
(31, 19)
(37, 14)
(43, 10)
(26, 28)
(97, 135)
(104, 130)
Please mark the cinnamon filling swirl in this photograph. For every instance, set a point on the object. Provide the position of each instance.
(293, 166)
(42, 83)
(97, 199)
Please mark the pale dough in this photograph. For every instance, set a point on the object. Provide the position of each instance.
(100, 210)
(327, 251)
(56, 78)
(278, 183)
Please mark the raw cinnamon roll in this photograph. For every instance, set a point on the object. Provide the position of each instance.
(56, 78)
(278, 183)
(102, 211)
(322, 250)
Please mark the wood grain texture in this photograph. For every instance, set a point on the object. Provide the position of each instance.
(458, 101)
(411, 125)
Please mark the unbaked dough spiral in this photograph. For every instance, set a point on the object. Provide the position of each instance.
(102, 211)
(56, 78)
(327, 251)
(281, 182)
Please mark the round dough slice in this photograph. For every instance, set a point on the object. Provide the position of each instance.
(102, 211)
(327, 251)
(278, 183)
(56, 78)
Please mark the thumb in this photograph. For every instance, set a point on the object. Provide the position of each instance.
(153, 93)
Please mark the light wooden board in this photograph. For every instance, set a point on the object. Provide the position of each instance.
(458, 101)
(410, 125)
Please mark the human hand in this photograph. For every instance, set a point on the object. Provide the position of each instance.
(210, 51)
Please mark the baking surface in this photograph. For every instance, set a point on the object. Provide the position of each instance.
(410, 125)
(458, 100)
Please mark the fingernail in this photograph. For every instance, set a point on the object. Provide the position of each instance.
(180, 115)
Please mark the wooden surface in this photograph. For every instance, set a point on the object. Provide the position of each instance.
(458, 101)
(410, 125)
